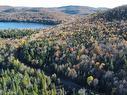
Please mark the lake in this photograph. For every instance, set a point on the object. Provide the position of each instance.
(22, 25)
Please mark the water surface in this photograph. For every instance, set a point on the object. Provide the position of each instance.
(22, 25)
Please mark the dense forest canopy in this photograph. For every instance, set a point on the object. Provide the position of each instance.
(85, 56)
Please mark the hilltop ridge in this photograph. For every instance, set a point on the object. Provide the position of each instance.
(118, 14)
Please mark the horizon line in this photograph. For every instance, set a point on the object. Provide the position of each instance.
(58, 6)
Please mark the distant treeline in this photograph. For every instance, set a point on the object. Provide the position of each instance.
(119, 13)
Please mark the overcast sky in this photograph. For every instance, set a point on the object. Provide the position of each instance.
(57, 3)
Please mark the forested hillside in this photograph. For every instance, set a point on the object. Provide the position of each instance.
(38, 15)
(51, 16)
(86, 56)
(119, 13)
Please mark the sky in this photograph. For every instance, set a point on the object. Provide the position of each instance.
(58, 3)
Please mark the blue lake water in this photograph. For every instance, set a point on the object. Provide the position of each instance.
(22, 25)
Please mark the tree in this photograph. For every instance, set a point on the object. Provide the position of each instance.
(53, 91)
(35, 88)
(20, 91)
(89, 80)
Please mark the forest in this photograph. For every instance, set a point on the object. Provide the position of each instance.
(87, 56)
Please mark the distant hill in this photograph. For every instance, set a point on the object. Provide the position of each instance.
(80, 10)
(2, 8)
(71, 10)
(28, 14)
(118, 13)
(53, 15)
